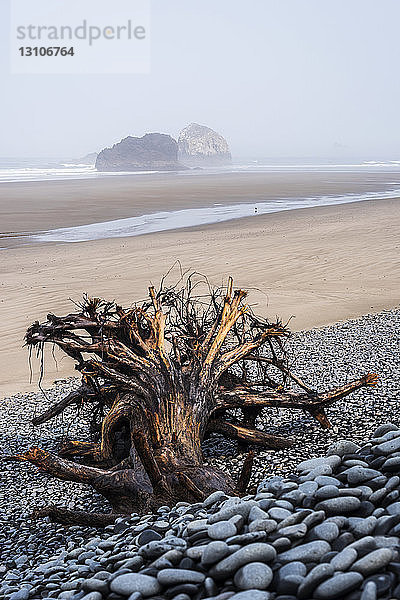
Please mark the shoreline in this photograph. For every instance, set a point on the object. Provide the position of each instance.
(181, 219)
(43, 206)
(323, 265)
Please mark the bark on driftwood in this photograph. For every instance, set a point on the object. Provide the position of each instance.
(167, 372)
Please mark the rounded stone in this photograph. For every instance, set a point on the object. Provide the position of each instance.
(373, 562)
(308, 487)
(327, 491)
(148, 536)
(385, 428)
(92, 596)
(257, 552)
(289, 585)
(128, 583)
(393, 509)
(344, 559)
(292, 568)
(316, 576)
(22, 594)
(362, 527)
(338, 506)
(310, 552)
(237, 508)
(332, 461)
(250, 595)
(322, 470)
(369, 591)
(392, 464)
(214, 552)
(357, 475)
(267, 525)
(338, 586)
(294, 532)
(388, 447)
(278, 514)
(327, 480)
(383, 582)
(254, 575)
(325, 531)
(175, 576)
(257, 513)
(342, 447)
(221, 530)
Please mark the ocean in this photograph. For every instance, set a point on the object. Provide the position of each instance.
(34, 170)
(45, 169)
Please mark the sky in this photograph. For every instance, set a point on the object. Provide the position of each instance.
(282, 78)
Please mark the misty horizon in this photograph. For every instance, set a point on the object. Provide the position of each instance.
(276, 80)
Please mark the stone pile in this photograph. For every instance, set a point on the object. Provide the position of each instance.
(330, 531)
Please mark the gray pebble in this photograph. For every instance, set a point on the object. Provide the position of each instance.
(221, 530)
(255, 575)
(294, 532)
(134, 582)
(338, 586)
(310, 552)
(327, 480)
(385, 428)
(250, 595)
(251, 553)
(332, 461)
(316, 576)
(214, 552)
(327, 491)
(308, 487)
(321, 470)
(393, 509)
(369, 592)
(267, 525)
(373, 562)
(335, 506)
(362, 527)
(388, 447)
(344, 559)
(226, 512)
(278, 514)
(342, 447)
(357, 475)
(22, 594)
(292, 568)
(175, 576)
(325, 531)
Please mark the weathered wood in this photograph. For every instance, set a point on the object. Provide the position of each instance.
(165, 372)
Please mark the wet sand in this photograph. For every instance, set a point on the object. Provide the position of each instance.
(319, 265)
(27, 207)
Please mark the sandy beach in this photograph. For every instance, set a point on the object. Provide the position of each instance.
(316, 265)
(33, 206)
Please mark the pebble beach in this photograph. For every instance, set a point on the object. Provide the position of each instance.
(321, 521)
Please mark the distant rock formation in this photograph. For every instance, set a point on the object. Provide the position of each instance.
(89, 159)
(152, 152)
(200, 145)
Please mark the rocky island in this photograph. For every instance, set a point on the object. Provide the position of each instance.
(152, 152)
(199, 145)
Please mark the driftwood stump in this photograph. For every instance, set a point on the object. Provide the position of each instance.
(166, 372)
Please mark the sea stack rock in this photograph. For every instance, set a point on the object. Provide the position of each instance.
(89, 159)
(152, 152)
(199, 145)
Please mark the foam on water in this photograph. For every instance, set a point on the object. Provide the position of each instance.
(30, 170)
(191, 217)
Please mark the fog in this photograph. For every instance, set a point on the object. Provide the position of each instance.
(277, 78)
